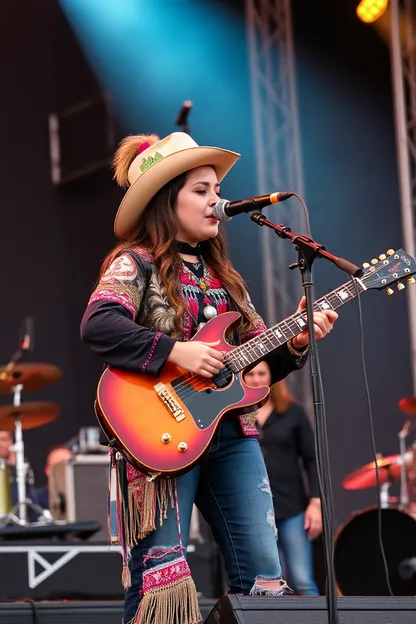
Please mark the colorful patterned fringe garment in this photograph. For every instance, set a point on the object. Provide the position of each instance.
(169, 594)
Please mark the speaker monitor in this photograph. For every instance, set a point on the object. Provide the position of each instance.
(236, 609)
(78, 491)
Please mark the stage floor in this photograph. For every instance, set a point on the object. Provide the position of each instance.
(257, 610)
(71, 612)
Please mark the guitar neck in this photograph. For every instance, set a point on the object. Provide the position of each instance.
(255, 349)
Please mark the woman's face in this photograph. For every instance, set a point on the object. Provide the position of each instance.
(194, 206)
(258, 376)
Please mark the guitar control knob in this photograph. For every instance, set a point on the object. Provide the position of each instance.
(166, 438)
(182, 447)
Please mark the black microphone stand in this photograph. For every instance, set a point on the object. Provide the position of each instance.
(308, 250)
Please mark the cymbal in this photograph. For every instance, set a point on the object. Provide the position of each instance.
(33, 376)
(32, 415)
(365, 477)
(408, 405)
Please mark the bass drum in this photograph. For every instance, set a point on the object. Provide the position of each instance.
(359, 569)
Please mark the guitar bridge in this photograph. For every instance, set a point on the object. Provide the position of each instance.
(171, 403)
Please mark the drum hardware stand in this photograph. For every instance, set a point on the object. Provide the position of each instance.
(384, 494)
(404, 491)
(18, 514)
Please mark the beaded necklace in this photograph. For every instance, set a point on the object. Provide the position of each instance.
(203, 283)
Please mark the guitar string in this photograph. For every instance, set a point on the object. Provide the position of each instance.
(249, 348)
(252, 347)
(231, 357)
(255, 344)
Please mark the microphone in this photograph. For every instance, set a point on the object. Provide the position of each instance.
(27, 340)
(182, 118)
(26, 344)
(407, 568)
(225, 210)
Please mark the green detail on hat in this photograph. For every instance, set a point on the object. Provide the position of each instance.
(149, 161)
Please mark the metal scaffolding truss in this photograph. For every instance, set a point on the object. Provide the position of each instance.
(403, 62)
(277, 150)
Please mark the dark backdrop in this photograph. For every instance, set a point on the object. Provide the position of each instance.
(52, 240)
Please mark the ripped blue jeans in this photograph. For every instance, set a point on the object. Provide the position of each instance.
(231, 489)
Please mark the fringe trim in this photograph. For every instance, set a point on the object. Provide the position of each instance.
(177, 602)
(142, 507)
(126, 576)
(132, 503)
(117, 518)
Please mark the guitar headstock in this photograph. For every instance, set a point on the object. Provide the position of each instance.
(393, 267)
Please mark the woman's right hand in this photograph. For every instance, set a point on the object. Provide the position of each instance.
(197, 357)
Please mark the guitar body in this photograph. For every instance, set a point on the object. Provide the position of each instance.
(165, 425)
(169, 438)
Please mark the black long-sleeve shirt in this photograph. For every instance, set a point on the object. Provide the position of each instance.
(287, 441)
(108, 330)
(130, 292)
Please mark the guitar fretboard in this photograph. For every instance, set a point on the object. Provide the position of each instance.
(259, 346)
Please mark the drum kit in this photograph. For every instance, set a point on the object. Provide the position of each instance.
(359, 565)
(18, 417)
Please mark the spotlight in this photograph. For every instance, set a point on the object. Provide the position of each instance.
(370, 10)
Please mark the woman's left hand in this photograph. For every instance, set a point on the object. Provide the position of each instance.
(313, 519)
(323, 323)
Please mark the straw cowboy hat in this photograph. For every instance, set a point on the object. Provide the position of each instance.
(157, 164)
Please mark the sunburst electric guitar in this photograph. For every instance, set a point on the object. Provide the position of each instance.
(164, 425)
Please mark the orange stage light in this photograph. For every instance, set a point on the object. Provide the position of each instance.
(370, 10)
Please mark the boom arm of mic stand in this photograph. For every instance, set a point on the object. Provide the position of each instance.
(309, 246)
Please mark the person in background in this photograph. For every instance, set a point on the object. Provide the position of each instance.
(56, 455)
(6, 443)
(287, 441)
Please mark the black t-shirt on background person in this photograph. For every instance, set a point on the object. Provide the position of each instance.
(287, 442)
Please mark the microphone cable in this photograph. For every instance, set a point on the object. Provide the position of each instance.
(305, 213)
(373, 442)
(322, 450)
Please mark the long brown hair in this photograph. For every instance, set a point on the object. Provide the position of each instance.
(281, 397)
(156, 232)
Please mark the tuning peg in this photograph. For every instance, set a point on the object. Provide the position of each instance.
(366, 265)
(400, 286)
(390, 291)
(382, 256)
(411, 280)
(374, 261)
(390, 252)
